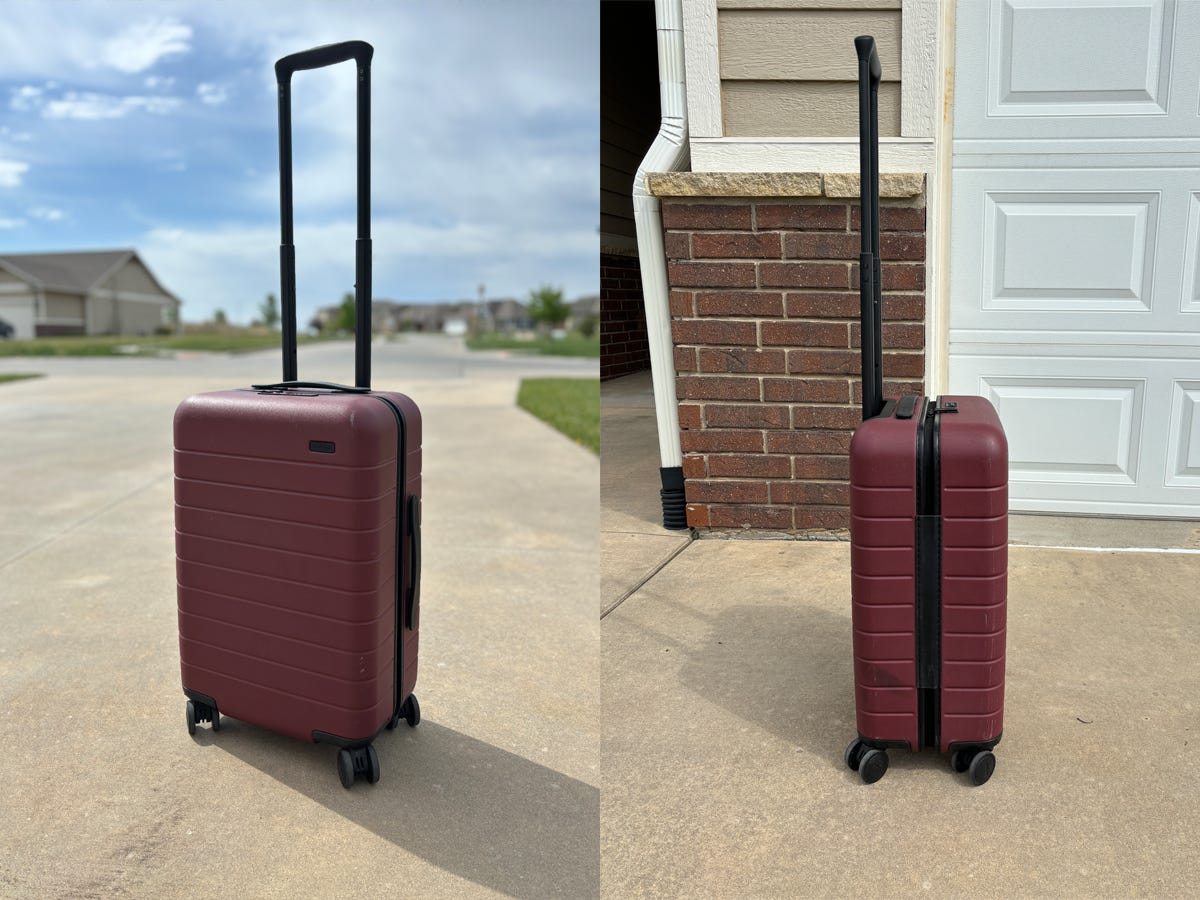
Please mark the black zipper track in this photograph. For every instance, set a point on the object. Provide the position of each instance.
(928, 576)
(401, 482)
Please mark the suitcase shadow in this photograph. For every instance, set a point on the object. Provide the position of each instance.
(463, 805)
(785, 669)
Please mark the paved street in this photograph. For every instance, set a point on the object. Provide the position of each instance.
(495, 793)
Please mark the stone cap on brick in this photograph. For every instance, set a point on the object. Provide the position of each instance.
(892, 185)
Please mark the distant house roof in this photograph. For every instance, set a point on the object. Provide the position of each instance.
(76, 272)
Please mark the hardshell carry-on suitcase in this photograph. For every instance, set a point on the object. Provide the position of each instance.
(929, 541)
(298, 523)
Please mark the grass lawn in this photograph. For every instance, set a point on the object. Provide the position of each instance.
(120, 345)
(18, 376)
(574, 344)
(572, 405)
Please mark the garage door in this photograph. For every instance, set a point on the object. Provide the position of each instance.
(1075, 284)
(18, 312)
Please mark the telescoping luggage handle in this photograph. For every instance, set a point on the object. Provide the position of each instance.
(318, 57)
(870, 275)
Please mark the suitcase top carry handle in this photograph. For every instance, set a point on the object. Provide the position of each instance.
(361, 52)
(870, 274)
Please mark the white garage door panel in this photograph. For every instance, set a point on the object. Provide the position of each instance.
(1044, 245)
(1070, 429)
(1107, 56)
(1075, 246)
(1085, 433)
(1183, 448)
(1068, 69)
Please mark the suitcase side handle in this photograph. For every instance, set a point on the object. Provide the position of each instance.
(414, 587)
(870, 275)
(361, 52)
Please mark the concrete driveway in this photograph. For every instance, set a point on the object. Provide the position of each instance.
(495, 793)
(729, 699)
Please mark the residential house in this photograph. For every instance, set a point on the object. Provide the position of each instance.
(83, 292)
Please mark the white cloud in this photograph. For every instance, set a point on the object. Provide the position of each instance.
(46, 213)
(154, 82)
(233, 267)
(212, 94)
(11, 223)
(91, 107)
(25, 98)
(142, 44)
(11, 172)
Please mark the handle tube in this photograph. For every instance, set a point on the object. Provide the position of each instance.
(361, 52)
(870, 273)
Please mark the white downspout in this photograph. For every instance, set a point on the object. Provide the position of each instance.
(668, 153)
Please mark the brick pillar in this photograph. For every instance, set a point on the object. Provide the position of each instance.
(764, 308)
(624, 345)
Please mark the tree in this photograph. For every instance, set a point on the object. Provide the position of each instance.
(547, 307)
(587, 327)
(219, 317)
(345, 314)
(269, 311)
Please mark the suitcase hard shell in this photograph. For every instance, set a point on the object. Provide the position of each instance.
(929, 544)
(297, 520)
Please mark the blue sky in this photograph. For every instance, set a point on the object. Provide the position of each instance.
(153, 125)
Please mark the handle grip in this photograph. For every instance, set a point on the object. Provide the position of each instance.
(865, 45)
(325, 55)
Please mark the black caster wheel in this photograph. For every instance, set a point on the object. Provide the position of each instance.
(872, 765)
(216, 720)
(372, 764)
(411, 711)
(853, 754)
(191, 717)
(983, 764)
(345, 767)
(960, 760)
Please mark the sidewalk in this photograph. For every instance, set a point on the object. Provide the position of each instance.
(728, 697)
(633, 542)
(495, 793)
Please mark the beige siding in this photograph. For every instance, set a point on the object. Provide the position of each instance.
(101, 318)
(7, 278)
(791, 71)
(64, 306)
(133, 277)
(803, 109)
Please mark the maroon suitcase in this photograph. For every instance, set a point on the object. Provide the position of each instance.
(297, 525)
(929, 542)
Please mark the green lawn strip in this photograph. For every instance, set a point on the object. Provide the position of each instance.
(125, 345)
(572, 405)
(573, 344)
(18, 376)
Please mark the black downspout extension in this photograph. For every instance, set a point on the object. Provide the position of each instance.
(674, 504)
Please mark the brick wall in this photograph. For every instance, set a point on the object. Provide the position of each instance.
(764, 308)
(624, 347)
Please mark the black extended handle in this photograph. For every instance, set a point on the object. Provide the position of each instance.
(325, 55)
(324, 385)
(414, 588)
(870, 273)
(361, 52)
